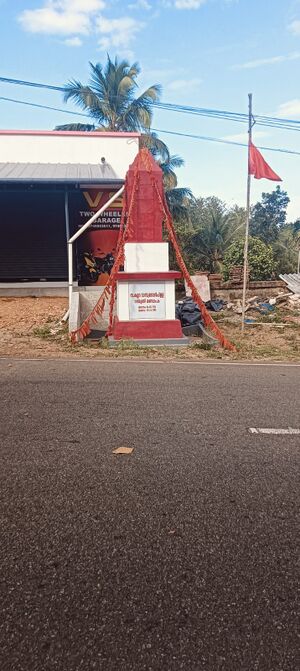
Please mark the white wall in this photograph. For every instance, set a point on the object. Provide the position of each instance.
(119, 150)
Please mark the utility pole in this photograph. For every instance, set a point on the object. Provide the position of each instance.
(250, 124)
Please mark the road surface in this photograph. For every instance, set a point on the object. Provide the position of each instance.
(181, 555)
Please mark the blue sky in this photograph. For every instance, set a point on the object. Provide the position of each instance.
(208, 53)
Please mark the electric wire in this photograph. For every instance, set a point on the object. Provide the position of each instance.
(159, 130)
(240, 117)
(223, 141)
(45, 107)
(38, 85)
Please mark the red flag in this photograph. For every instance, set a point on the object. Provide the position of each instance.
(259, 167)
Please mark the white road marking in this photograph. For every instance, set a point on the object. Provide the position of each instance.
(280, 432)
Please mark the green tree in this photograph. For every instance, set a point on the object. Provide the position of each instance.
(179, 199)
(260, 259)
(269, 215)
(212, 229)
(110, 98)
(285, 250)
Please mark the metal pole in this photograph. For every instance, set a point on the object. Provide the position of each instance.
(77, 235)
(70, 266)
(248, 214)
(67, 225)
(96, 215)
(67, 221)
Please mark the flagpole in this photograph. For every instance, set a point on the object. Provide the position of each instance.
(247, 214)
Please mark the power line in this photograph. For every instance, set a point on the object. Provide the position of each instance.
(221, 141)
(37, 85)
(157, 130)
(45, 107)
(240, 117)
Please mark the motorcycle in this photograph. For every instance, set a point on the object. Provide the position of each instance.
(91, 267)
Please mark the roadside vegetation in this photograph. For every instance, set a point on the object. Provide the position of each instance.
(32, 327)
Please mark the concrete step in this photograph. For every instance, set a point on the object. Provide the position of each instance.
(84, 300)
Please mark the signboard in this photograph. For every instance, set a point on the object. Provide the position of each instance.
(147, 301)
(96, 247)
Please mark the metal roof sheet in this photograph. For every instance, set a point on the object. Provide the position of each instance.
(293, 281)
(57, 172)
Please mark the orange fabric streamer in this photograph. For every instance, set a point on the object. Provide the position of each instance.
(142, 161)
(110, 287)
(207, 318)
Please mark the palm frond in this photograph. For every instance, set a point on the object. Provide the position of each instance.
(176, 161)
(111, 101)
(179, 201)
(86, 98)
(156, 146)
(140, 109)
(87, 127)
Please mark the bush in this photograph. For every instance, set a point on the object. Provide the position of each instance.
(260, 259)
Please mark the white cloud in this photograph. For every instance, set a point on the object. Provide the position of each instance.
(188, 4)
(73, 42)
(289, 109)
(140, 4)
(260, 62)
(294, 27)
(61, 17)
(75, 18)
(118, 33)
(184, 84)
(82, 5)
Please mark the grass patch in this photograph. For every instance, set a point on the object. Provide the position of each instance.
(103, 343)
(43, 332)
(202, 345)
(51, 331)
(128, 344)
(272, 318)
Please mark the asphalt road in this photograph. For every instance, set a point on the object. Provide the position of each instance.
(182, 555)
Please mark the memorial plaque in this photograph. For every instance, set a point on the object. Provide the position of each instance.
(147, 301)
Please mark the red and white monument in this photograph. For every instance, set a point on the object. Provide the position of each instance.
(144, 309)
(146, 286)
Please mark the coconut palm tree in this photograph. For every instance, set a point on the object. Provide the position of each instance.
(178, 199)
(214, 228)
(111, 100)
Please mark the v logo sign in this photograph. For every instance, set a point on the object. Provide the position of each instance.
(93, 202)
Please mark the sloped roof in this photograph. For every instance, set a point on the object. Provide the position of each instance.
(293, 282)
(68, 173)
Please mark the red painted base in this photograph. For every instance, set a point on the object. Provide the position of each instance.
(139, 330)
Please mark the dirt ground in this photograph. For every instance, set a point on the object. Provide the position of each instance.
(32, 328)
